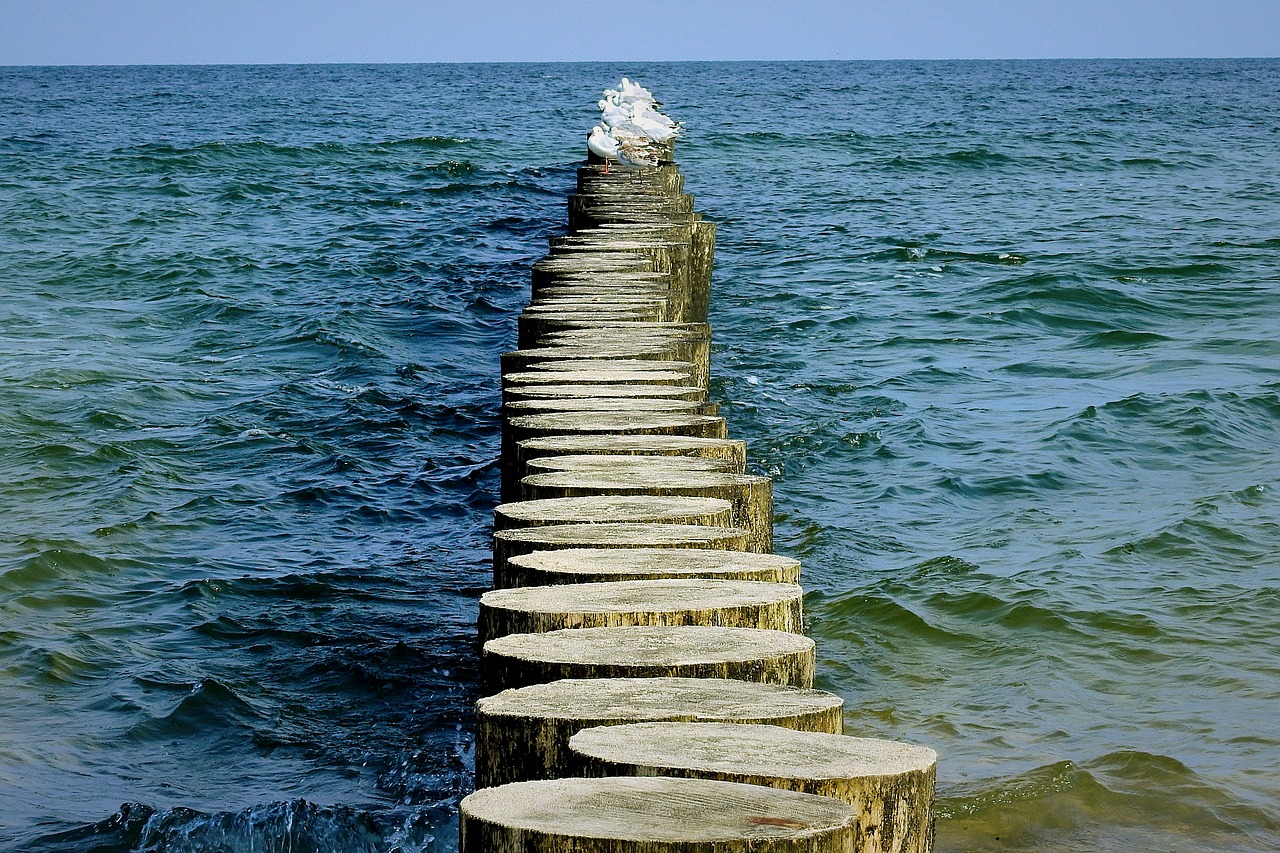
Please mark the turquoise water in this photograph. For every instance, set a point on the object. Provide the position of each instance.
(1005, 334)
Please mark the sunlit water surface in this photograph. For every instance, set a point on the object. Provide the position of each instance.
(1006, 335)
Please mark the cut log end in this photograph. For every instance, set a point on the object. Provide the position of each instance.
(747, 654)
(585, 565)
(524, 733)
(890, 785)
(740, 604)
(654, 815)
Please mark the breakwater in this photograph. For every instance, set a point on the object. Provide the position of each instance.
(649, 686)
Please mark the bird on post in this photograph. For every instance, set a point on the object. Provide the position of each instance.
(601, 144)
(631, 129)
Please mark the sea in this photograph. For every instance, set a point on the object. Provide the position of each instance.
(1006, 335)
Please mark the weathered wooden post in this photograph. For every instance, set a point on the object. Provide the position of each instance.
(640, 631)
(889, 784)
(523, 734)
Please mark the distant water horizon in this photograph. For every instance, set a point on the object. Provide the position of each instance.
(1004, 333)
(621, 63)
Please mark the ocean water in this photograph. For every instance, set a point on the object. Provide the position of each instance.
(1006, 335)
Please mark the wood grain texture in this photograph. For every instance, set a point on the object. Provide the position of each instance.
(889, 784)
(524, 733)
(651, 815)
(731, 604)
(747, 654)
(587, 565)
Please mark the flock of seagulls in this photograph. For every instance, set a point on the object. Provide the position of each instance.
(631, 129)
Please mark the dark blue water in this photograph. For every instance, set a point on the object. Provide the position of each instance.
(1007, 335)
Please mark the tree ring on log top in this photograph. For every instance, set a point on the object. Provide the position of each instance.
(524, 734)
(510, 543)
(889, 784)
(586, 565)
(554, 391)
(752, 496)
(626, 464)
(651, 815)
(747, 654)
(597, 377)
(595, 364)
(733, 604)
(624, 509)
(730, 450)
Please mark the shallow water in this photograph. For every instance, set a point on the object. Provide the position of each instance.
(1003, 333)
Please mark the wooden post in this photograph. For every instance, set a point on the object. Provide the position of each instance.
(747, 654)
(731, 452)
(512, 543)
(889, 784)
(752, 496)
(517, 429)
(640, 509)
(728, 604)
(651, 815)
(589, 565)
(524, 733)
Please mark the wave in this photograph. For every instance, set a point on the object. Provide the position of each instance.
(964, 158)
(1124, 800)
(292, 826)
(211, 709)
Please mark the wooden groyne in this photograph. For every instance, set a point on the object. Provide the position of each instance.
(649, 686)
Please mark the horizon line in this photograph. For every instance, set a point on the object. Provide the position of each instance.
(630, 61)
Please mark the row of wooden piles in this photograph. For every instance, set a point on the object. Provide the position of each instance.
(649, 686)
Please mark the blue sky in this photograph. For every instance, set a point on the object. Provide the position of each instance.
(40, 32)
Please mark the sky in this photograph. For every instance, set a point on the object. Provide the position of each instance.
(111, 32)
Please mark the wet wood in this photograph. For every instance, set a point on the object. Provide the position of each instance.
(651, 815)
(524, 733)
(889, 784)
(724, 603)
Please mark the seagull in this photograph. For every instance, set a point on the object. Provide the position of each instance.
(601, 144)
(630, 125)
